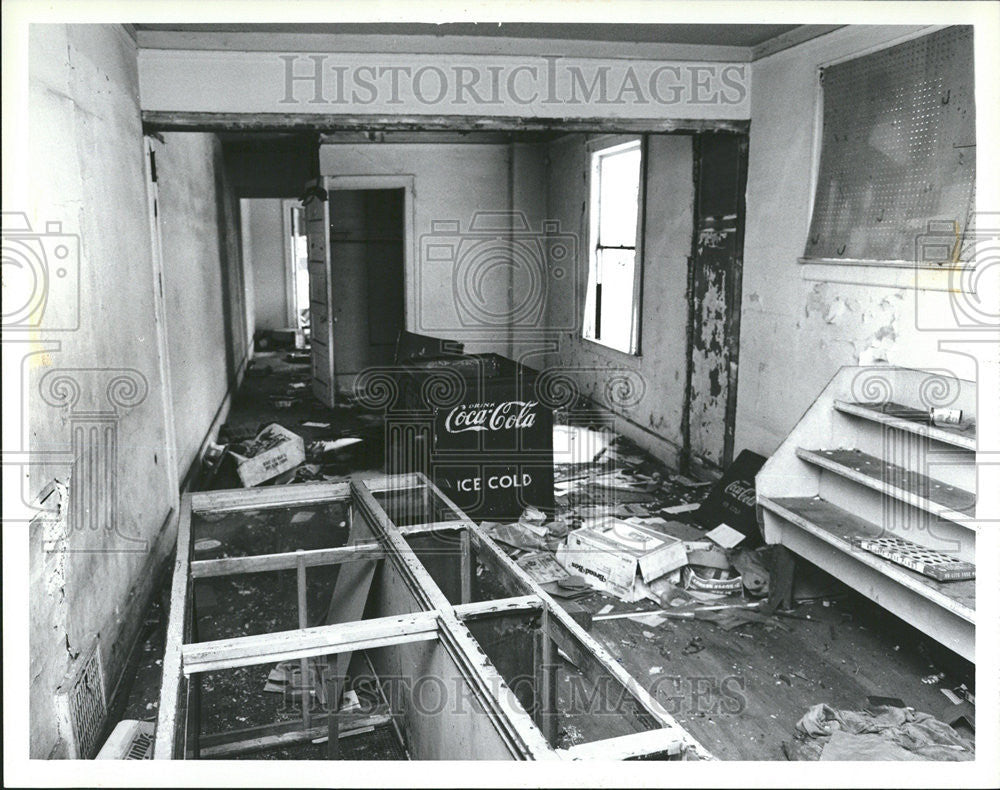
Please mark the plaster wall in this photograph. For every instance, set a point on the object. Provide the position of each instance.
(94, 392)
(801, 323)
(648, 409)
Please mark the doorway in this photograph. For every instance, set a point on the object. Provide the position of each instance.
(360, 255)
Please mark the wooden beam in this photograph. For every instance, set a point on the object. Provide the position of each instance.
(354, 719)
(305, 642)
(434, 526)
(228, 566)
(792, 38)
(164, 121)
(624, 747)
(166, 719)
(504, 713)
(521, 603)
(545, 681)
(465, 561)
(350, 725)
(269, 497)
(302, 602)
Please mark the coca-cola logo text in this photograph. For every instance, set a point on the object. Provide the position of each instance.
(742, 493)
(491, 416)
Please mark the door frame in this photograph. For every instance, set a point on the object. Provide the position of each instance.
(291, 295)
(406, 182)
(734, 308)
(160, 314)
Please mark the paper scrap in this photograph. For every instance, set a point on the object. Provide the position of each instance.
(542, 567)
(302, 516)
(725, 536)
(686, 507)
(652, 620)
(607, 608)
(312, 424)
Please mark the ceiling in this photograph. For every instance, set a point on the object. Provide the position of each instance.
(706, 34)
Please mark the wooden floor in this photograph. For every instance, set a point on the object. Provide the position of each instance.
(743, 691)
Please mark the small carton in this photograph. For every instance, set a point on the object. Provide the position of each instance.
(284, 451)
(621, 558)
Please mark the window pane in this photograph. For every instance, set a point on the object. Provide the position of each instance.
(617, 277)
(619, 198)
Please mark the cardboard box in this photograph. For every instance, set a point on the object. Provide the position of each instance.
(286, 450)
(621, 558)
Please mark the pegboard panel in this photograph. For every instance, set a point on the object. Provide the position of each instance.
(899, 149)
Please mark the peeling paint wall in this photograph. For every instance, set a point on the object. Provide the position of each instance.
(651, 410)
(97, 406)
(796, 332)
(95, 397)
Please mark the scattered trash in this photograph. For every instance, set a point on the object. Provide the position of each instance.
(542, 567)
(733, 499)
(514, 535)
(695, 645)
(272, 452)
(621, 558)
(206, 544)
(686, 507)
(725, 536)
(712, 581)
(882, 733)
(932, 679)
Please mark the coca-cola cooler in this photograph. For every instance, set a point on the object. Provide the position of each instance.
(474, 424)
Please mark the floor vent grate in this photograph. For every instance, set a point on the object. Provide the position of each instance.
(82, 706)
(131, 740)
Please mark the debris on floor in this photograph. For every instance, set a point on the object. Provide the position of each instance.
(883, 732)
(272, 452)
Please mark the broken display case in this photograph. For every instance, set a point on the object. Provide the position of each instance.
(462, 655)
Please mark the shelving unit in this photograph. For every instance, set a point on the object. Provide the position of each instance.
(866, 461)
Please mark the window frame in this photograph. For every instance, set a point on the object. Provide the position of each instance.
(597, 150)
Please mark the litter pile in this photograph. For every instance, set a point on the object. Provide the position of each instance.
(883, 732)
(302, 446)
(626, 527)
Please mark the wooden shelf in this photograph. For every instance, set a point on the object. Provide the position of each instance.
(933, 496)
(837, 527)
(915, 421)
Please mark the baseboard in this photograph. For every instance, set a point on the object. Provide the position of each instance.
(191, 475)
(137, 603)
(658, 446)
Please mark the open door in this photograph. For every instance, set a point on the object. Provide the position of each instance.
(317, 210)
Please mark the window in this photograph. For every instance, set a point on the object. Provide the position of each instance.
(611, 317)
(898, 156)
